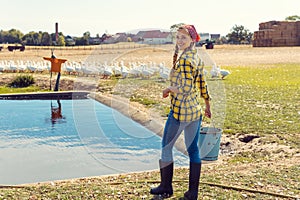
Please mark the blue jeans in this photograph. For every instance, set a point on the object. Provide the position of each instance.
(172, 131)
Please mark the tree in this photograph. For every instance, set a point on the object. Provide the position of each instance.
(46, 39)
(86, 37)
(32, 38)
(129, 39)
(80, 41)
(12, 36)
(239, 35)
(1, 37)
(293, 18)
(61, 41)
(173, 29)
(221, 40)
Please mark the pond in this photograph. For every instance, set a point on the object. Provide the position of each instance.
(47, 140)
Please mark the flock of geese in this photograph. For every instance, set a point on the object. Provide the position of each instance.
(104, 70)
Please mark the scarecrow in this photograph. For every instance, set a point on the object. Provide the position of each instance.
(55, 67)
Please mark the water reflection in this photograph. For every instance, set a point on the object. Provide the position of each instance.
(56, 115)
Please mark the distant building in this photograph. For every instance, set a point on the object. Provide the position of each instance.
(69, 41)
(204, 37)
(215, 36)
(153, 37)
(118, 37)
(122, 37)
(208, 36)
(208, 39)
(94, 40)
(277, 34)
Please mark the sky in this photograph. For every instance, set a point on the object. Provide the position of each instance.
(75, 17)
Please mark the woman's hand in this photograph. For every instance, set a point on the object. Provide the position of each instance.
(166, 92)
(207, 112)
(207, 109)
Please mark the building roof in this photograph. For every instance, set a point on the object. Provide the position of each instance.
(152, 34)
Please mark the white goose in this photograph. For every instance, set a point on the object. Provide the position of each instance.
(215, 71)
(12, 66)
(107, 72)
(146, 71)
(31, 66)
(224, 73)
(3, 66)
(116, 69)
(135, 70)
(124, 70)
(21, 66)
(164, 71)
(68, 68)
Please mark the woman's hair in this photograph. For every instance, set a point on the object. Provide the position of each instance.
(175, 55)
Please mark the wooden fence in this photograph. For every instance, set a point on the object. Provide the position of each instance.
(90, 47)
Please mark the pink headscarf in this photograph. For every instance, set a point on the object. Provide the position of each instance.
(192, 31)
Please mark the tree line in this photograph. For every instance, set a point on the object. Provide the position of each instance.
(237, 35)
(14, 36)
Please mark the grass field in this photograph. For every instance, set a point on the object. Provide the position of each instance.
(261, 98)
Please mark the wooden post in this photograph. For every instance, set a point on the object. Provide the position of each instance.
(57, 82)
(55, 67)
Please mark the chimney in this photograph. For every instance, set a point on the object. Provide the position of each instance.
(56, 32)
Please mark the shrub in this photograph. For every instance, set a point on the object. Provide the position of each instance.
(22, 81)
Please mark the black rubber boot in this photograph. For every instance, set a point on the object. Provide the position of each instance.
(194, 177)
(165, 189)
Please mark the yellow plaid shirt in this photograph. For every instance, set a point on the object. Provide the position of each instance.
(189, 79)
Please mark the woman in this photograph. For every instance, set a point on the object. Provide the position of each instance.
(186, 88)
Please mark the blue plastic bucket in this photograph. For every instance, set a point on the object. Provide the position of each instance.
(209, 143)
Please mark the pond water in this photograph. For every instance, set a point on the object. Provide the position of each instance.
(45, 140)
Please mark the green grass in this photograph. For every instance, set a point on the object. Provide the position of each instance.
(265, 101)
(7, 90)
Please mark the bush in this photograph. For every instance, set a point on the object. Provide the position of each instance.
(22, 81)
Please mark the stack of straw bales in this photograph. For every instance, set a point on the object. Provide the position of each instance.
(277, 34)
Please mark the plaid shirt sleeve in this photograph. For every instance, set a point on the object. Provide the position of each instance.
(201, 84)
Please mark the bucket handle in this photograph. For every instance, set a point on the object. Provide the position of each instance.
(211, 120)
